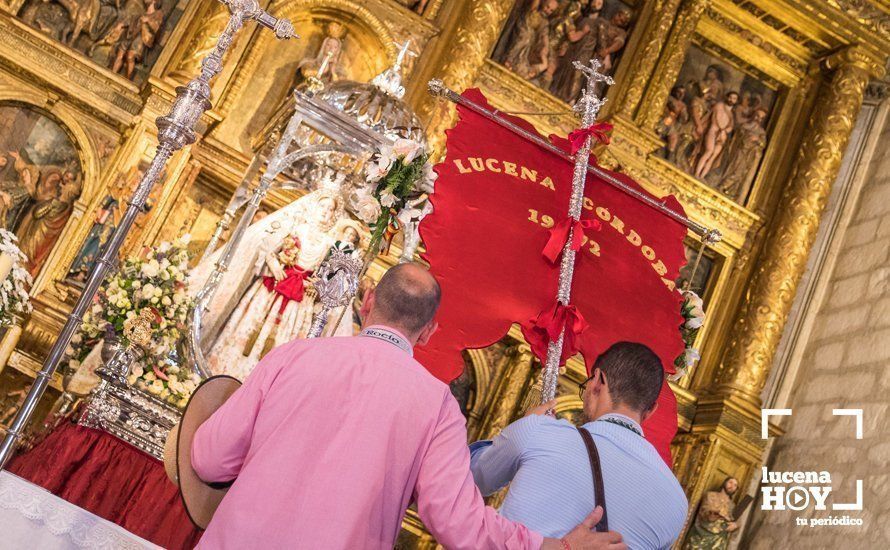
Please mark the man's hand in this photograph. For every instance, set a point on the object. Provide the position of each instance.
(541, 410)
(584, 537)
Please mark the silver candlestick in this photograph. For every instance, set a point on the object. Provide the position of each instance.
(175, 131)
(587, 107)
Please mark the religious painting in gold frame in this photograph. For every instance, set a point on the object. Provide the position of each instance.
(40, 179)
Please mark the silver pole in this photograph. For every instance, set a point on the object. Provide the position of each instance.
(437, 88)
(589, 105)
(175, 131)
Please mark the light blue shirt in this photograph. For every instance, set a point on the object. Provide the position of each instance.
(552, 486)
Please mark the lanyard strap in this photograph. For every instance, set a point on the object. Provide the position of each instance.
(623, 423)
(388, 336)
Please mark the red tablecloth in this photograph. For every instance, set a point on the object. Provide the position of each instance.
(112, 479)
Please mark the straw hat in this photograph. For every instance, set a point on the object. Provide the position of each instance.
(199, 498)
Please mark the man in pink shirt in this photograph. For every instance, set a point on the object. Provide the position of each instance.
(329, 440)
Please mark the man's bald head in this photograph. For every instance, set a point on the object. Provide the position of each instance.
(406, 298)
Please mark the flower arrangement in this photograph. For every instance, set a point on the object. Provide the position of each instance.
(402, 178)
(14, 297)
(693, 318)
(151, 286)
(165, 380)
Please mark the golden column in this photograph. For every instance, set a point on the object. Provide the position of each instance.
(666, 72)
(477, 30)
(663, 12)
(759, 325)
(507, 400)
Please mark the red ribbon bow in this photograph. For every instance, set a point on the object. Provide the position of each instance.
(291, 288)
(547, 327)
(598, 131)
(559, 234)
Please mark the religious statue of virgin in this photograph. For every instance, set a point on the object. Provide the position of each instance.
(265, 298)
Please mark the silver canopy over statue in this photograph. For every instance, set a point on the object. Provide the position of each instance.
(257, 291)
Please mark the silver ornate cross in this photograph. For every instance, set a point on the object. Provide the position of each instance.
(589, 104)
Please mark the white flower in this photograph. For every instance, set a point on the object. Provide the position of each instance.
(375, 171)
(695, 322)
(150, 269)
(164, 247)
(148, 290)
(694, 299)
(366, 207)
(407, 148)
(387, 199)
(690, 356)
(156, 387)
(76, 339)
(183, 241)
(138, 371)
(166, 301)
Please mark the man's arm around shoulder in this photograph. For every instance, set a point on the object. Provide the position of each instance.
(452, 508)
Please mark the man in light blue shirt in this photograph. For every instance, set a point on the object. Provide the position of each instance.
(547, 465)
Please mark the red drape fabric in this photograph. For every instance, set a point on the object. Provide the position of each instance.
(112, 479)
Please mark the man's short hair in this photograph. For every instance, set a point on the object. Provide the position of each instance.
(407, 295)
(634, 374)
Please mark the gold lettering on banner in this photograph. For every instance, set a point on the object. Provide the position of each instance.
(461, 168)
(523, 173)
(634, 238)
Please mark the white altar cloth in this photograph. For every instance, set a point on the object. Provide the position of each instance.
(32, 517)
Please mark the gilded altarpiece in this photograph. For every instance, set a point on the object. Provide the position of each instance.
(740, 108)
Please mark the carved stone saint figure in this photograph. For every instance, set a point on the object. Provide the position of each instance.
(530, 53)
(582, 43)
(265, 298)
(561, 24)
(742, 156)
(326, 60)
(675, 116)
(714, 522)
(140, 35)
(719, 127)
(690, 132)
(114, 33)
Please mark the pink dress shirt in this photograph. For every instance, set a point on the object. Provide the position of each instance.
(330, 440)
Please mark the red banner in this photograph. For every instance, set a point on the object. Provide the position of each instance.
(498, 196)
